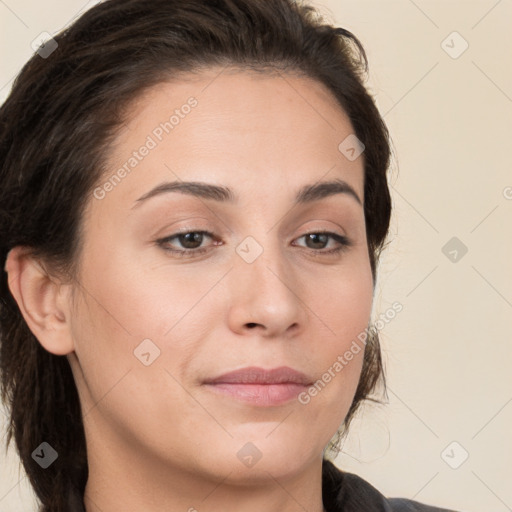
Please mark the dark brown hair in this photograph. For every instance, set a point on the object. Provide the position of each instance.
(56, 128)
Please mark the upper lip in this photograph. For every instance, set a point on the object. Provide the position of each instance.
(256, 375)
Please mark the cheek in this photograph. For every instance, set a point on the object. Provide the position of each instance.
(125, 299)
(343, 308)
(122, 304)
(343, 303)
(118, 321)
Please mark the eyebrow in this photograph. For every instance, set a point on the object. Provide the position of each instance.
(306, 194)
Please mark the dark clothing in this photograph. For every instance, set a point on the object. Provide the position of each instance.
(341, 492)
(346, 492)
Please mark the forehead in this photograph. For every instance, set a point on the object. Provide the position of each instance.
(250, 131)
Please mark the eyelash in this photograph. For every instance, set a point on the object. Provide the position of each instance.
(344, 242)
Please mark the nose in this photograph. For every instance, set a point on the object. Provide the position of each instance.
(265, 297)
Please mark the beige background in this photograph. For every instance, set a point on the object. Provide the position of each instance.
(448, 352)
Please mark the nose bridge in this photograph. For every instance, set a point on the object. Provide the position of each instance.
(266, 291)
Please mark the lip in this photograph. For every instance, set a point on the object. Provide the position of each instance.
(259, 386)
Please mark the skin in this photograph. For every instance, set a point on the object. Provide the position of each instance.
(157, 438)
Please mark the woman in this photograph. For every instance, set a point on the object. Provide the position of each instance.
(194, 200)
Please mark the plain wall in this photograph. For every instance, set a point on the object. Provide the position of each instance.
(448, 352)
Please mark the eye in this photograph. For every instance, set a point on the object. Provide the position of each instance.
(190, 242)
(317, 241)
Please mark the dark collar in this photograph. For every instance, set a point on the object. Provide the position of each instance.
(346, 492)
(341, 492)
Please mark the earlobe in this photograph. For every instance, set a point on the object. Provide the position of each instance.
(42, 299)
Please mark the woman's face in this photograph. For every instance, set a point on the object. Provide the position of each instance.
(155, 319)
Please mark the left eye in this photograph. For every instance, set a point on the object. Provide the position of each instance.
(322, 238)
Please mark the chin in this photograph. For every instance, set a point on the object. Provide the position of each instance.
(257, 455)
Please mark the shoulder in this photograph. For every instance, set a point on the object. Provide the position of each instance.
(348, 492)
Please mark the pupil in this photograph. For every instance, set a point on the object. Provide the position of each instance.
(191, 238)
(315, 238)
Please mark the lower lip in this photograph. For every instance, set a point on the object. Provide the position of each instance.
(263, 395)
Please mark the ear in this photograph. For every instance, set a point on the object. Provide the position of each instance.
(43, 301)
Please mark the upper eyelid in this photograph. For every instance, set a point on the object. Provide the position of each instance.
(185, 231)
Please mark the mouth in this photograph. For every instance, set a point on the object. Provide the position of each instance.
(260, 387)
